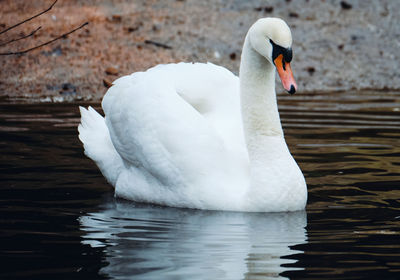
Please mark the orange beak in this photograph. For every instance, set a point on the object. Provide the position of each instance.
(286, 75)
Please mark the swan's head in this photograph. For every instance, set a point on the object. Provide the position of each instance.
(271, 38)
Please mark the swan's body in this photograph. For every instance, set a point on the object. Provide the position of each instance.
(174, 135)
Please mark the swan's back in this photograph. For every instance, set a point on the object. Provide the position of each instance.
(178, 129)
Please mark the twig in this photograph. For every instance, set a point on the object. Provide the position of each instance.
(44, 44)
(23, 37)
(41, 13)
(157, 44)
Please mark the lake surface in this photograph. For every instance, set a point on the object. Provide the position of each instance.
(60, 220)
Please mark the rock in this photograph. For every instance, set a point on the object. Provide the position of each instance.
(57, 51)
(107, 83)
(111, 71)
(345, 5)
(132, 29)
(68, 89)
(266, 9)
(156, 27)
(116, 18)
(310, 70)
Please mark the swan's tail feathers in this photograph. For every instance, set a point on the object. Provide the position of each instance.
(94, 135)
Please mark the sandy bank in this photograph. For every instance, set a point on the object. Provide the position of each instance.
(336, 47)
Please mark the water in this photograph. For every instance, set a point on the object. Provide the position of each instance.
(59, 218)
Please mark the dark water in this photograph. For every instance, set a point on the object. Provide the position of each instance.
(59, 219)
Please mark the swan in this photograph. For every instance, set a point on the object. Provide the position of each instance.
(194, 135)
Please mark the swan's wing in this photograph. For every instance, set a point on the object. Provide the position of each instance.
(213, 91)
(173, 122)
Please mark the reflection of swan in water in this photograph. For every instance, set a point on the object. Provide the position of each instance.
(169, 243)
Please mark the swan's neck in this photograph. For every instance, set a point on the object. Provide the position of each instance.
(266, 146)
(258, 97)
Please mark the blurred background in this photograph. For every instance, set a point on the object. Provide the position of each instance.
(338, 45)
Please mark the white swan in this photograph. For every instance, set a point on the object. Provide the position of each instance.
(196, 136)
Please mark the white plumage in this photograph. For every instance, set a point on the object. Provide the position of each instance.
(174, 135)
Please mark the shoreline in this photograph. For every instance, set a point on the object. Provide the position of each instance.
(306, 96)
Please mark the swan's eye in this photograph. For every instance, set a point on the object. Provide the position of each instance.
(285, 52)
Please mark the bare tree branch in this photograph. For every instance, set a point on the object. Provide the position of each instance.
(41, 13)
(46, 43)
(20, 38)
